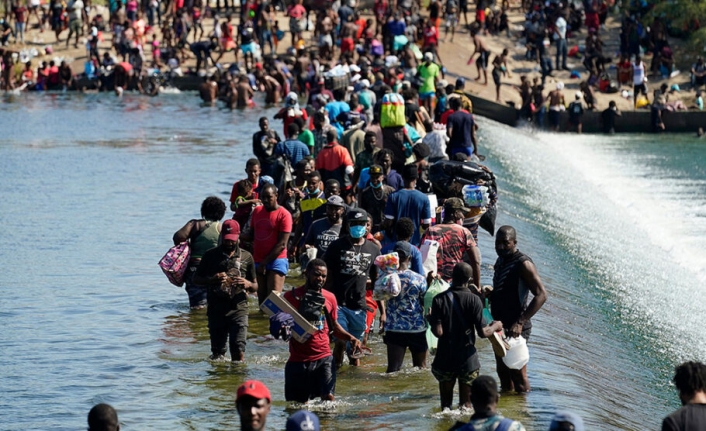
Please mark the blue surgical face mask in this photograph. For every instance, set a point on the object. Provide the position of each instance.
(376, 186)
(357, 231)
(315, 192)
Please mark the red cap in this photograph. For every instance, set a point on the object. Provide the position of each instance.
(230, 230)
(255, 389)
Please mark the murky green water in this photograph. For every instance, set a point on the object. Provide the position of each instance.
(92, 188)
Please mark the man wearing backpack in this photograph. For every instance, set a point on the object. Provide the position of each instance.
(484, 397)
(576, 112)
(456, 316)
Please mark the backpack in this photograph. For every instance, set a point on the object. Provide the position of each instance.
(392, 111)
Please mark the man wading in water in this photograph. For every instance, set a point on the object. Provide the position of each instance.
(515, 277)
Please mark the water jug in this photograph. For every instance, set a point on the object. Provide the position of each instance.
(473, 196)
(518, 354)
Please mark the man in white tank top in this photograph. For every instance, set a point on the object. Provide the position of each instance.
(639, 79)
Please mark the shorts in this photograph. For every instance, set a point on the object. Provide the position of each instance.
(496, 76)
(75, 25)
(464, 377)
(352, 321)
(483, 59)
(304, 381)
(554, 117)
(248, 48)
(639, 88)
(429, 95)
(415, 341)
(480, 15)
(280, 266)
(451, 20)
(347, 44)
(465, 150)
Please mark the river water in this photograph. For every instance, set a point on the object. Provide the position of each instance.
(93, 187)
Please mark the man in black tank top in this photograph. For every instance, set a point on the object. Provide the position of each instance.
(515, 277)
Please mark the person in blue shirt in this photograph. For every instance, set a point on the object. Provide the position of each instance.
(293, 149)
(405, 326)
(335, 108)
(408, 202)
(404, 229)
(392, 177)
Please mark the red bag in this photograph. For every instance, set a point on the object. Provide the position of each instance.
(175, 262)
(573, 51)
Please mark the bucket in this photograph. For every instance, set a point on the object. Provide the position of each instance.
(518, 354)
(473, 196)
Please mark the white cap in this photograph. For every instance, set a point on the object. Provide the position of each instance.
(365, 83)
(559, 85)
(354, 68)
(579, 95)
(428, 56)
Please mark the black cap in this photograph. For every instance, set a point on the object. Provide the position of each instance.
(403, 249)
(356, 215)
(376, 170)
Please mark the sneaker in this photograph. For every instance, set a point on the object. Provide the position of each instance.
(500, 346)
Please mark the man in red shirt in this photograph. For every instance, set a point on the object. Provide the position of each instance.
(270, 227)
(310, 371)
(335, 162)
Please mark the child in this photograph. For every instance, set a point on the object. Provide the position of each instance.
(244, 202)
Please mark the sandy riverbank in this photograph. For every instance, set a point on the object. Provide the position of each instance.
(454, 55)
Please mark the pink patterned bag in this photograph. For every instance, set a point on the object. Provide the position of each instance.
(175, 262)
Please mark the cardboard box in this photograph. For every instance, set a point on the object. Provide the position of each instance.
(302, 329)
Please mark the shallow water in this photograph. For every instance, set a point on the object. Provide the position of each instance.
(93, 187)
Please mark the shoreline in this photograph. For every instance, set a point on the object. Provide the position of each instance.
(454, 55)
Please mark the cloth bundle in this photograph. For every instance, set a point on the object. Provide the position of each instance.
(388, 285)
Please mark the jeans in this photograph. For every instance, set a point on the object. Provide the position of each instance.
(151, 13)
(546, 64)
(561, 53)
(20, 31)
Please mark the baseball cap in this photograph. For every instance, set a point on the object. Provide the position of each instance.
(255, 389)
(563, 419)
(335, 200)
(230, 230)
(356, 215)
(302, 420)
(455, 204)
(460, 82)
(428, 56)
(376, 170)
(403, 249)
(365, 83)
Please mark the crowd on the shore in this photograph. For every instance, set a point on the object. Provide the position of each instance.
(153, 39)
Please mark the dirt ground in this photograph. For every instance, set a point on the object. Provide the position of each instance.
(453, 54)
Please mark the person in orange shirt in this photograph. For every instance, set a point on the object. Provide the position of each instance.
(334, 161)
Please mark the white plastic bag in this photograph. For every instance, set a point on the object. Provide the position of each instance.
(518, 354)
(429, 249)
